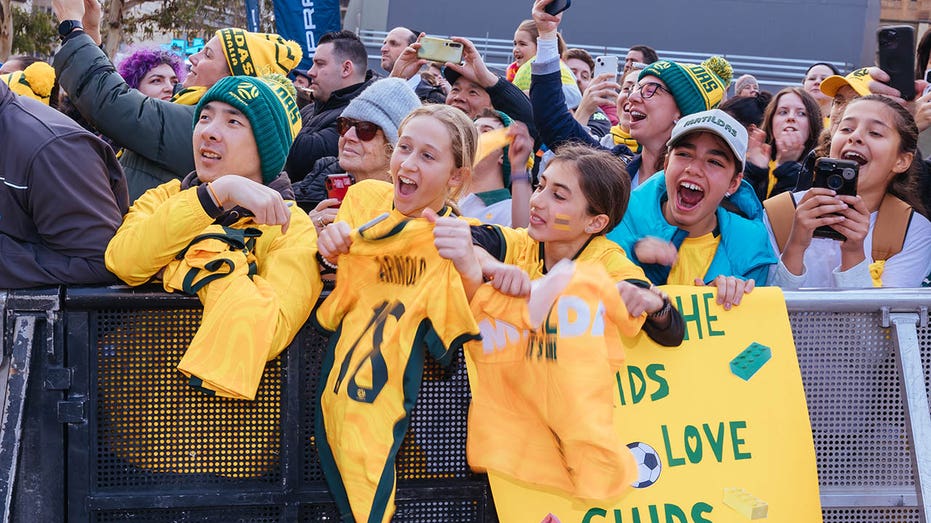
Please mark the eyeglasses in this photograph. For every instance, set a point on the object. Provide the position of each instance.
(648, 89)
(364, 130)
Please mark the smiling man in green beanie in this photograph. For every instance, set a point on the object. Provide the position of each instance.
(155, 135)
(229, 232)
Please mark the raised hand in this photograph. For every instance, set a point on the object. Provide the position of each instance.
(473, 67)
(408, 63)
(333, 240)
(655, 250)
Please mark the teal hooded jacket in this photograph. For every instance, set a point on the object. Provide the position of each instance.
(744, 250)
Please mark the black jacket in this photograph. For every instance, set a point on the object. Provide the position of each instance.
(62, 197)
(312, 189)
(155, 135)
(318, 137)
(788, 176)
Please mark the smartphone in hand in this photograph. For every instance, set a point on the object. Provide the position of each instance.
(338, 184)
(557, 6)
(605, 65)
(897, 57)
(840, 176)
(440, 50)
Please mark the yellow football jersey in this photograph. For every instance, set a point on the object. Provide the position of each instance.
(394, 298)
(542, 399)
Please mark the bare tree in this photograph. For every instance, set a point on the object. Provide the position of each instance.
(6, 30)
(186, 18)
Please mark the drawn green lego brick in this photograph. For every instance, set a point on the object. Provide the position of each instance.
(746, 504)
(745, 364)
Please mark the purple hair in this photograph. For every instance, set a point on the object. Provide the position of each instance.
(136, 65)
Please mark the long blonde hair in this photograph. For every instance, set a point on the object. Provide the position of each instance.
(462, 136)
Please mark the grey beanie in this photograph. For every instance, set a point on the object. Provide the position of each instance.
(385, 103)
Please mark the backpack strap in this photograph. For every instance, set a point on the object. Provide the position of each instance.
(780, 210)
(891, 227)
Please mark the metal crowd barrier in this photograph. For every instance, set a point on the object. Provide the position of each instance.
(773, 73)
(97, 425)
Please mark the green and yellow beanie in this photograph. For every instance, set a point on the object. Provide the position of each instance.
(36, 81)
(258, 54)
(269, 105)
(694, 87)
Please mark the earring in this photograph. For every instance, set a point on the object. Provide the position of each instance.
(727, 194)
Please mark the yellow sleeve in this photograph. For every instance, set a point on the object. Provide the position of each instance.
(248, 321)
(616, 262)
(519, 248)
(288, 266)
(161, 223)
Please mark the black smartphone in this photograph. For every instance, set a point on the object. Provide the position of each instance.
(897, 57)
(557, 6)
(841, 177)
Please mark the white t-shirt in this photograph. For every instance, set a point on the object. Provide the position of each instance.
(487, 210)
(823, 258)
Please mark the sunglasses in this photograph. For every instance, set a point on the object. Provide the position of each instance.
(364, 130)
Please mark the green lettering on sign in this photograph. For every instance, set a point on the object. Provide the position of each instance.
(737, 440)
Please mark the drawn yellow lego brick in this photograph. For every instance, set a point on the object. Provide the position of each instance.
(748, 505)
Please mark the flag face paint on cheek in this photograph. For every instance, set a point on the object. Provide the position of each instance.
(561, 222)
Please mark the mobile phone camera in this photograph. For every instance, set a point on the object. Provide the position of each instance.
(848, 173)
(836, 181)
(887, 38)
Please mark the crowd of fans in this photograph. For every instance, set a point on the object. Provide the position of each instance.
(218, 181)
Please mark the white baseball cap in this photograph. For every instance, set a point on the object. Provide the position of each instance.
(716, 122)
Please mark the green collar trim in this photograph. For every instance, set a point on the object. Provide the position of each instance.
(494, 196)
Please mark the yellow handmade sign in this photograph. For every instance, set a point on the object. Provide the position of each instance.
(719, 426)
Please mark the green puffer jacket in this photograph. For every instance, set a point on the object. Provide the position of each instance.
(155, 135)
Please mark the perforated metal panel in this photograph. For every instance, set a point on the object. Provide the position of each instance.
(435, 444)
(437, 511)
(154, 429)
(854, 400)
(426, 511)
(924, 340)
(313, 348)
(872, 515)
(231, 515)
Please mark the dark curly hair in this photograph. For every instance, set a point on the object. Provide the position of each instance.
(135, 66)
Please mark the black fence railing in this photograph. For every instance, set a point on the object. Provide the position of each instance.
(122, 437)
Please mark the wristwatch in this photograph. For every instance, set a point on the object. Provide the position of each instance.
(67, 26)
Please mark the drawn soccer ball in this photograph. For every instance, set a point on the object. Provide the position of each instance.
(648, 464)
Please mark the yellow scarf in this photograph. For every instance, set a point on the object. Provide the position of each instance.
(189, 95)
(623, 137)
(876, 272)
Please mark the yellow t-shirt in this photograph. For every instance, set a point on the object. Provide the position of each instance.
(695, 255)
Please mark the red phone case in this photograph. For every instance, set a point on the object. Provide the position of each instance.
(337, 185)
